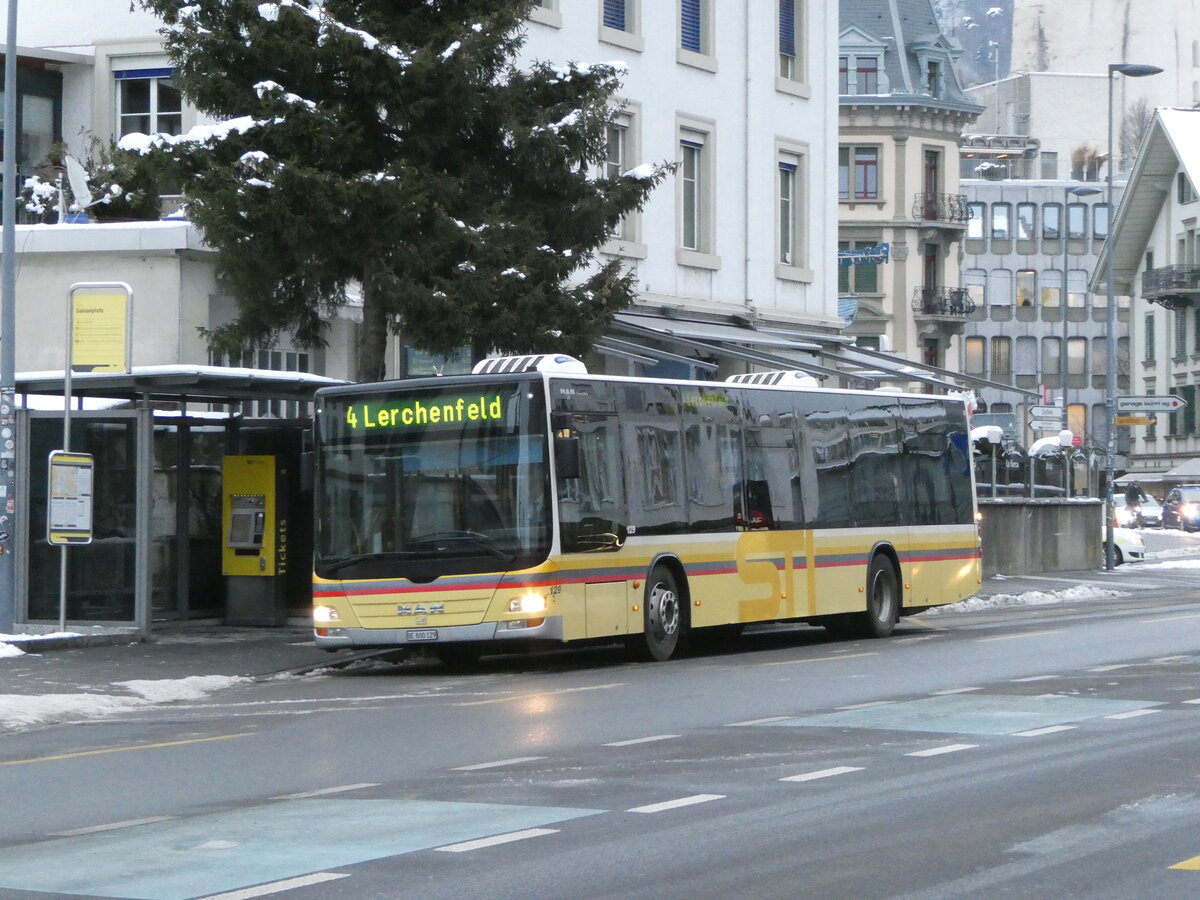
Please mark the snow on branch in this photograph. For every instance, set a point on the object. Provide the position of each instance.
(271, 88)
(326, 23)
(199, 135)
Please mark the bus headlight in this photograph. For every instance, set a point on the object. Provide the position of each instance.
(530, 603)
(325, 614)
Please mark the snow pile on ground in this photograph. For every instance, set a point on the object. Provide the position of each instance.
(9, 650)
(194, 687)
(1192, 563)
(1028, 598)
(20, 711)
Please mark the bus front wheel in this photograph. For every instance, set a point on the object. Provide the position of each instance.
(883, 600)
(662, 618)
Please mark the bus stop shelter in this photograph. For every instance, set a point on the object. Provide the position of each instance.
(158, 435)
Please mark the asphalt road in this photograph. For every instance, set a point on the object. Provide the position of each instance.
(1032, 751)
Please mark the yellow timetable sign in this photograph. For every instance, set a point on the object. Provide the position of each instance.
(69, 517)
(1135, 420)
(99, 329)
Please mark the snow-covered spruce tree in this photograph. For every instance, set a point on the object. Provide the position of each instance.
(396, 145)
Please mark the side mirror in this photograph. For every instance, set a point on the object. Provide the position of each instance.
(566, 457)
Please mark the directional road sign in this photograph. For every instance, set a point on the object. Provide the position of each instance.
(1046, 424)
(1163, 403)
(1135, 420)
(1046, 412)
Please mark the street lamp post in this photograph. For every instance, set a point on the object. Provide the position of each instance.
(8, 290)
(1064, 368)
(1129, 70)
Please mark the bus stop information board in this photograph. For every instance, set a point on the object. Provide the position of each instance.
(69, 518)
(99, 339)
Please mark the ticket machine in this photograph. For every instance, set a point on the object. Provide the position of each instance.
(254, 552)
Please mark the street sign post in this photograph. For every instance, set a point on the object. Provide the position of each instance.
(1150, 403)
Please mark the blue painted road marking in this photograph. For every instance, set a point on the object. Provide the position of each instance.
(221, 852)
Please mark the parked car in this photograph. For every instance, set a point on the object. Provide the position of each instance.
(1181, 508)
(1127, 546)
(1147, 513)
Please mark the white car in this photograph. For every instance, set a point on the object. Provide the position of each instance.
(1127, 546)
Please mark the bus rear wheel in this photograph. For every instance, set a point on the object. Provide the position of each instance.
(883, 600)
(662, 618)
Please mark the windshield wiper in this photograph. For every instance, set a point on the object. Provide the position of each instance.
(385, 556)
(474, 538)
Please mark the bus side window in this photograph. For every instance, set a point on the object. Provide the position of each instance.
(592, 507)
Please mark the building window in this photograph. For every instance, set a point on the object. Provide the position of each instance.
(1186, 192)
(1100, 221)
(976, 213)
(1001, 230)
(1052, 222)
(274, 361)
(616, 15)
(788, 67)
(148, 102)
(1026, 359)
(1001, 357)
(1148, 325)
(1026, 221)
(973, 363)
(858, 74)
(694, 26)
(1195, 331)
(546, 12)
(933, 78)
(860, 277)
(1077, 356)
(858, 173)
(619, 159)
(1076, 221)
(1049, 160)
(1180, 333)
(694, 180)
(1051, 358)
(788, 211)
(1026, 287)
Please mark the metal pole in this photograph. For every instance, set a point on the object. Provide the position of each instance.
(1066, 287)
(1110, 340)
(8, 359)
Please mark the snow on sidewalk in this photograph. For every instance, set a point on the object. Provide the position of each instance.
(22, 711)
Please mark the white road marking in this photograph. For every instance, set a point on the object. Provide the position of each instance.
(277, 887)
(329, 790)
(793, 662)
(1038, 732)
(1035, 678)
(1112, 668)
(1197, 700)
(823, 773)
(867, 705)
(938, 751)
(496, 839)
(1133, 714)
(759, 721)
(1172, 618)
(1023, 634)
(495, 763)
(112, 826)
(644, 740)
(676, 804)
(961, 690)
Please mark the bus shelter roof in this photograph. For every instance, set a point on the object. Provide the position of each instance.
(204, 384)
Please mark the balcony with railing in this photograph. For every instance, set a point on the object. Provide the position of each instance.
(942, 209)
(942, 303)
(1172, 286)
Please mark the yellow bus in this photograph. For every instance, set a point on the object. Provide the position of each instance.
(531, 504)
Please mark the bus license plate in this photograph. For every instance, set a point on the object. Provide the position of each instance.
(429, 634)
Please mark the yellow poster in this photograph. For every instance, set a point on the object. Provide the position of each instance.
(99, 331)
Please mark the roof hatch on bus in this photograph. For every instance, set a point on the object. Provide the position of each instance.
(784, 378)
(542, 362)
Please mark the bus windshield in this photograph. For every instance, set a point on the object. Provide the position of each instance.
(429, 481)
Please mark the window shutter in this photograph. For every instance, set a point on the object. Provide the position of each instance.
(614, 14)
(787, 27)
(689, 17)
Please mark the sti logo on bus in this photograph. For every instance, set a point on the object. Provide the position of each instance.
(415, 413)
